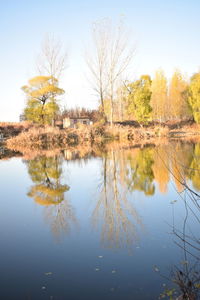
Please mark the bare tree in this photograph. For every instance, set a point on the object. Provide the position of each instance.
(120, 55)
(110, 59)
(97, 62)
(52, 60)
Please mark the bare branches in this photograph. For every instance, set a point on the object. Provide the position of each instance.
(111, 57)
(52, 60)
(97, 62)
(119, 58)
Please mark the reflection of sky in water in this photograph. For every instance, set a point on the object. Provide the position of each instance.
(29, 248)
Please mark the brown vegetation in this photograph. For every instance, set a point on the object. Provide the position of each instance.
(53, 138)
(9, 129)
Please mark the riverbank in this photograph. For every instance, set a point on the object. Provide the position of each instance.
(32, 137)
(87, 150)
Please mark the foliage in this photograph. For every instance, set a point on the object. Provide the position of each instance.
(41, 94)
(159, 96)
(140, 176)
(178, 104)
(139, 99)
(194, 96)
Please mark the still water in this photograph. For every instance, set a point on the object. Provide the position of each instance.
(96, 224)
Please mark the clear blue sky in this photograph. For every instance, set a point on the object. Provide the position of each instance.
(166, 33)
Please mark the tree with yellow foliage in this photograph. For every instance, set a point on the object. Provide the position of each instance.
(41, 93)
(159, 96)
(194, 96)
(178, 105)
(139, 99)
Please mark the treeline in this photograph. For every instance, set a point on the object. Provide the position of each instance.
(156, 99)
(92, 114)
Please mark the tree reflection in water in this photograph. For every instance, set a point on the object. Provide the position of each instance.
(114, 209)
(184, 168)
(140, 174)
(46, 173)
(185, 275)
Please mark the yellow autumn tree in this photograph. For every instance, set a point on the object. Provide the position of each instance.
(42, 104)
(194, 96)
(178, 105)
(159, 96)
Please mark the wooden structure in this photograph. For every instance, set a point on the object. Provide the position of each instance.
(73, 122)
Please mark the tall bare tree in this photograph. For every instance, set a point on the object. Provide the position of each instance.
(97, 61)
(120, 55)
(52, 61)
(110, 59)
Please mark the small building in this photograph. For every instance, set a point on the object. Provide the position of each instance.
(73, 122)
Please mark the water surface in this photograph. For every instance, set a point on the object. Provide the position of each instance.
(95, 225)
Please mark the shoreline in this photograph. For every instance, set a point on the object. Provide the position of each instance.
(88, 149)
(35, 137)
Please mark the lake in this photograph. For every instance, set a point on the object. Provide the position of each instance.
(98, 223)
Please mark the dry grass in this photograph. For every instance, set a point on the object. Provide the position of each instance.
(49, 137)
(9, 129)
(53, 138)
(25, 124)
(140, 133)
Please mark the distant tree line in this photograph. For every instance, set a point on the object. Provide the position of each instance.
(156, 99)
(142, 100)
(145, 99)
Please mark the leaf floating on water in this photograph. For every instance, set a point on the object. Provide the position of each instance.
(197, 285)
(48, 273)
(156, 269)
(174, 201)
(184, 262)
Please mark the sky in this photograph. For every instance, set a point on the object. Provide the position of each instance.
(166, 34)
